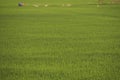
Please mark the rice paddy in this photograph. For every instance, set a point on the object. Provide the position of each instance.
(79, 42)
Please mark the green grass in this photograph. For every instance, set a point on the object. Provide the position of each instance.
(81, 42)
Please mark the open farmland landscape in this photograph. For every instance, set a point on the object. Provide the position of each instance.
(79, 41)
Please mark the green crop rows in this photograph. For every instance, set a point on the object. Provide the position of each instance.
(80, 42)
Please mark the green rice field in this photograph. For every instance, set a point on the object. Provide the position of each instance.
(80, 42)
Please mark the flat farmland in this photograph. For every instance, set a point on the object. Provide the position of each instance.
(79, 42)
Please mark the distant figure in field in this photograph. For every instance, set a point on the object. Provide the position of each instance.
(21, 4)
(46, 5)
